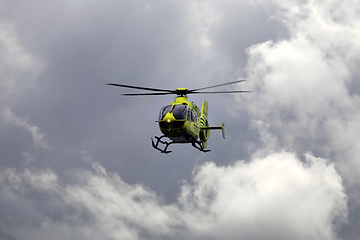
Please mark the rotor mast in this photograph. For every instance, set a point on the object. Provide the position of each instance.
(181, 92)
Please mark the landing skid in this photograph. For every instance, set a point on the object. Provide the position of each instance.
(158, 140)
(195, 143)
(198, 146)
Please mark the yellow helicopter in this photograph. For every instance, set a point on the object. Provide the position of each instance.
(182, 121)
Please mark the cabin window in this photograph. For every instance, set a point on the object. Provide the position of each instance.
(189, 114)
(179, 112)
(163, 111)
(193, 116)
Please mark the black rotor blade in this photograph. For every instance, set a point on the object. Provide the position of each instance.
(219, 92)
(142, 88)
(219, 85)
(146, 94)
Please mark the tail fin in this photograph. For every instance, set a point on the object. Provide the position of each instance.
(205, 129)
(204, 133)
(204, 114)
(223, 130)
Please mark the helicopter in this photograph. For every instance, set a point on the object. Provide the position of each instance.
(182, 121)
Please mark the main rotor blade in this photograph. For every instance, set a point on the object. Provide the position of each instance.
(142, 88)
(219, 92)
(219, 85)
(146, 94)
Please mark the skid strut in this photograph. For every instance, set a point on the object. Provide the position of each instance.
(198, 145)
(156, 145)
(195, 143)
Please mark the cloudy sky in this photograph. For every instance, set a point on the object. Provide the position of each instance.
(76, 157)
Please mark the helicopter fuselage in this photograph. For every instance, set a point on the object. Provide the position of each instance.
(180, 120)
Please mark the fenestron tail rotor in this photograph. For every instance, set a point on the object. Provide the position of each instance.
(178, 92)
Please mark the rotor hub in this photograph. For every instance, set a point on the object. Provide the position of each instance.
(181, 92)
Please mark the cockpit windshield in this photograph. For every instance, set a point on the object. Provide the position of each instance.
(179, 112)
(163, 111)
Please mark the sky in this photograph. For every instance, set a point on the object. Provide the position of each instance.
(76, 157)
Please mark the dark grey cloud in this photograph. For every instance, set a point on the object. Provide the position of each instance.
(59, 119)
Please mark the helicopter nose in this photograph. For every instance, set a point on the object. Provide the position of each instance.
(170, 123)
(169, 118)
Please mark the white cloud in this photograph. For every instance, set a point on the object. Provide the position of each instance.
(276, 197)
(302, 83)
(304, 87)
(17, 65)
(278, 194)
(17, 68)
(29, 158)
(36, 133)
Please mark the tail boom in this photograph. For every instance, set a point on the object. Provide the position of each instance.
(222, 127)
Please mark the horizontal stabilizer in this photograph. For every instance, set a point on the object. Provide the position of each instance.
(213, 128)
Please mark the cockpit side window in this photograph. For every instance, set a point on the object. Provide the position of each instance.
(179, 112)
(163, 111)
